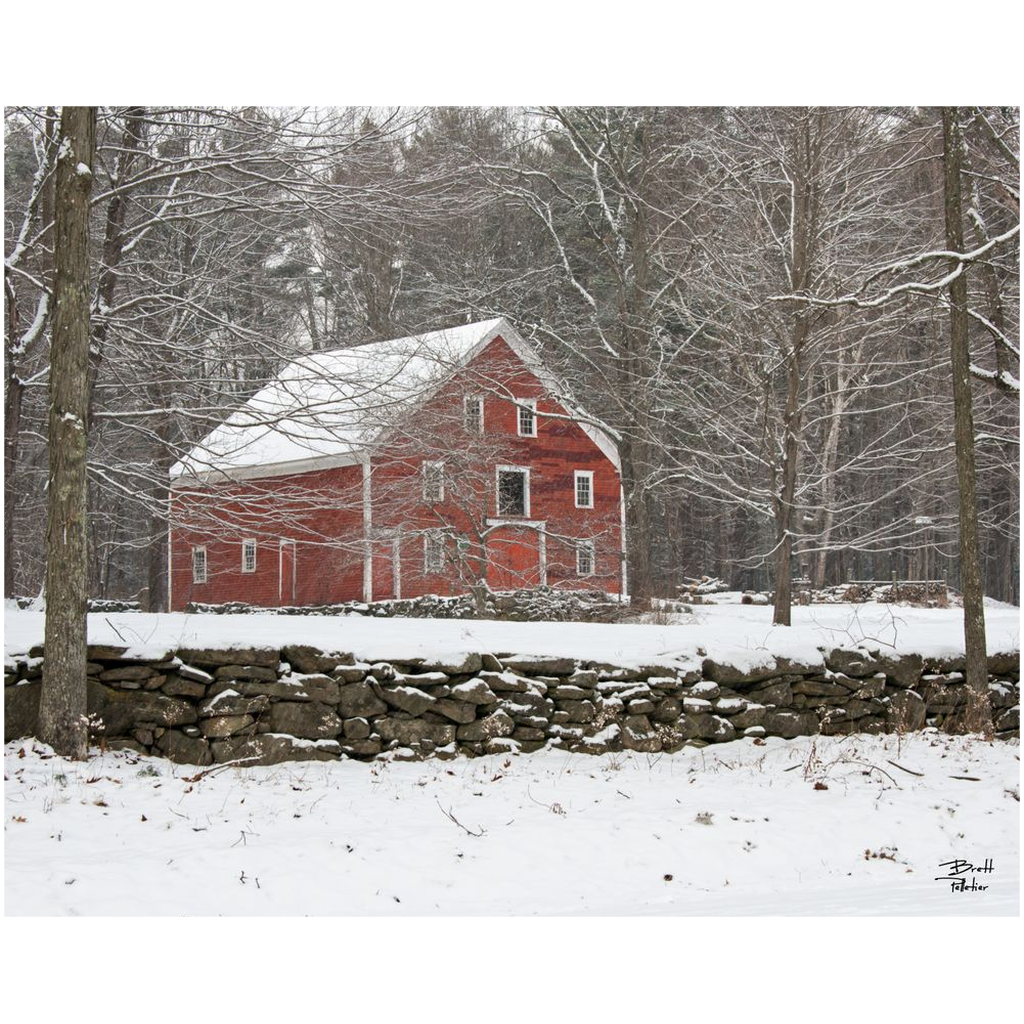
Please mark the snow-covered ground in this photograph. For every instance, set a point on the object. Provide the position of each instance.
(736, 632)
(813, 826)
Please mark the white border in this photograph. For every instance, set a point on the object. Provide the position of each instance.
(498, 470)
(521, 405)
(297, 466)
(623, 555)
(466, 399)
(583, 545)
(576, 474)
(206, 565)
(439, 464)
(428, 536)
(280, 570)
(252, 541)
(367, 530)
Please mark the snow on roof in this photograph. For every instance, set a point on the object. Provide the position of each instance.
(329, 407)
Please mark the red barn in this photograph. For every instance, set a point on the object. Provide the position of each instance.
(428, 464)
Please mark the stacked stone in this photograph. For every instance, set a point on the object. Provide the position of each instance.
(94, 604)
(262, 706)
(544, 604)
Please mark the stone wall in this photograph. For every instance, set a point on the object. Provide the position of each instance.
(534, 604)
(262, 706)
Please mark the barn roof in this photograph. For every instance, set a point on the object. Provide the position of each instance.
(328, 408)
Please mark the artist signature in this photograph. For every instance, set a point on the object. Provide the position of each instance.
(961, 874)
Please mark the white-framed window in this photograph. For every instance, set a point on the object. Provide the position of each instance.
(433, 481)
(199, 565)
(527, 418)
(473, 414)
(248, 555)
(583, 484)
(433, 551)
(585, 558)
(512, 488)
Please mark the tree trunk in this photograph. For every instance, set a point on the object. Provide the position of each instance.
(787, 494)
(804, 216)
(132, 142)
(638, 534)
(979, 712)
(830, 462)
(156, 553)
(16, 349)
(13, 392)
(62, 705)
(828, 487)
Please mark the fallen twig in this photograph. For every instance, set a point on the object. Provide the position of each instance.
(216, 768)
(907, 770)
(874, 768)
(451, 817)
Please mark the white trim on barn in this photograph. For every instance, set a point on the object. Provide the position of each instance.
(478, 426)
(526, 406)
(583, 474)
(525, 470)
(367, 530)
(197, 578)
(280, 568)
(246, 541)
(433, 487)
(622, 532)
(294, 468)
(170, 555)
(586, 548)
(433, 545)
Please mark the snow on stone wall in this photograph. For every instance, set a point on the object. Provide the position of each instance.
(265, 705)
(533, 604)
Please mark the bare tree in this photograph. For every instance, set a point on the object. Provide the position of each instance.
(979, 709)
(648, 251)
(62, 705)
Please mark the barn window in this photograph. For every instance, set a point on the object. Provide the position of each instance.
(248, 556)
(585, 558)
(513, 491)
(583, 481)
(199, 565)
(433, 551)
(473, 414)
(433, 481)
(527, 417)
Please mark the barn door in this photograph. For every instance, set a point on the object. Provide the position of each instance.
(514, 558)
(286, 578)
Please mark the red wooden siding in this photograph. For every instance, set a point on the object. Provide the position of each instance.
(513, 558)
(320, 511)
